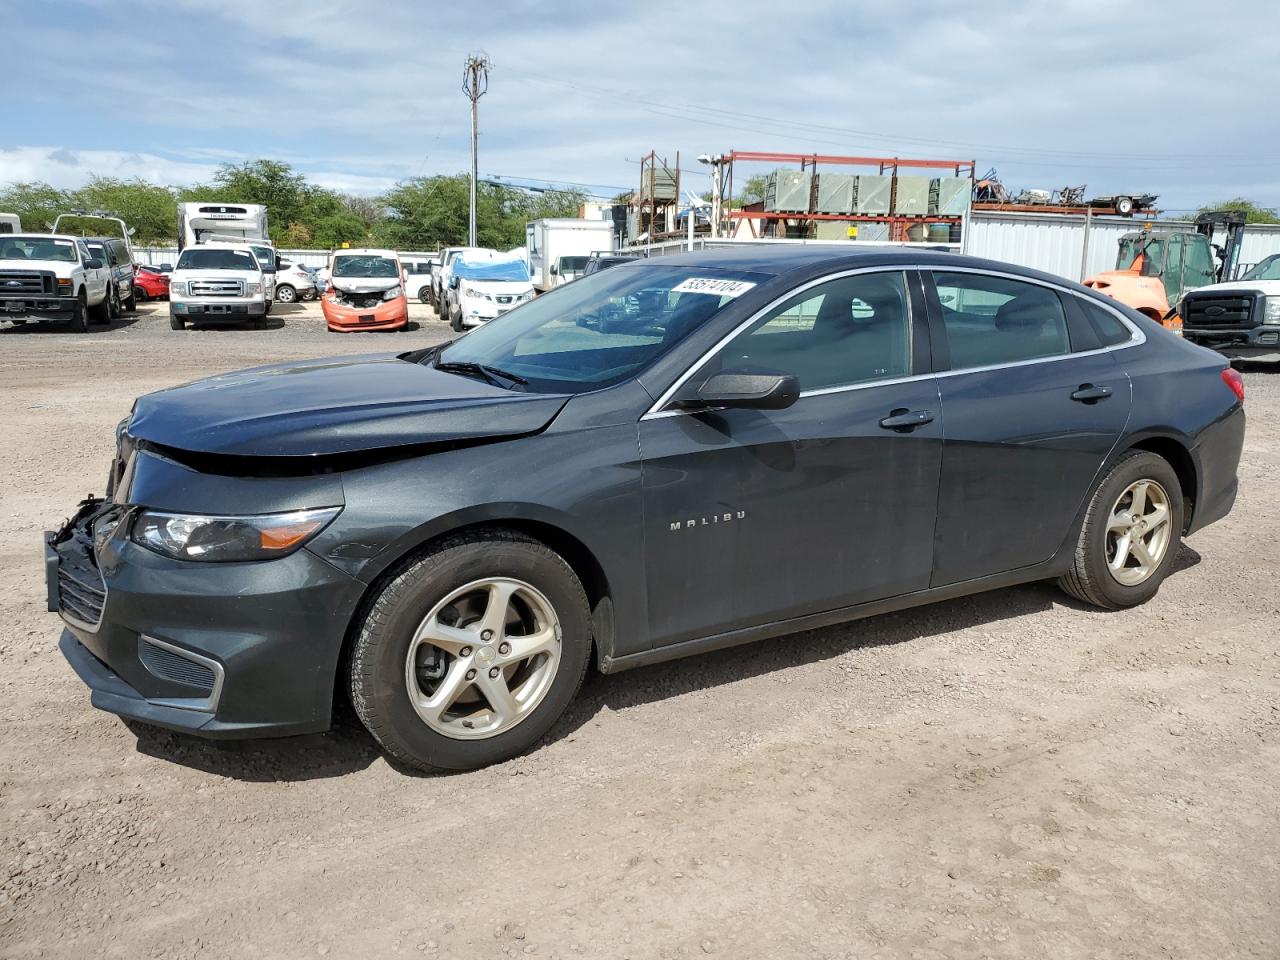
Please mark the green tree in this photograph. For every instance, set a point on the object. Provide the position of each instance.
(150, 209)
(1253, 212)
(36, 204)
(753, 189)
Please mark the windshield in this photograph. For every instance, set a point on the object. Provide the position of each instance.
(491, 270)
(365, 266)
(1268, 269)
(194, 258)
(37, 248)
(602, 329)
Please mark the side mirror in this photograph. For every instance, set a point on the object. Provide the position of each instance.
(751, 389)
(555, 269)
(93, 263)
(453, 283)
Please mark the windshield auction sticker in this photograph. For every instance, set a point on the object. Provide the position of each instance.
(712, 285)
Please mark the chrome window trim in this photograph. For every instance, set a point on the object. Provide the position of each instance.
(1137, 336)
(655, 411)
(208, 704)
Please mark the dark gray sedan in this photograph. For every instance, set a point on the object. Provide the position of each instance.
(670, 456)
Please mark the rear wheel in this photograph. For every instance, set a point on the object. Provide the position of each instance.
(472, 652)
(1131, 534)
(77, 322)
(286, 293)
(101, 313)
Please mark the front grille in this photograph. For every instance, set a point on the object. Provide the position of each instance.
(81, 592)
(1226, 311)
(504, 299)
(217, 288)
(170, 665)
(18, 283)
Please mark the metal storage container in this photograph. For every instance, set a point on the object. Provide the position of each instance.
(953, 196)
(873, 194)
(833, 230)
(835, 192)
(913, 196)
(873, 232)
(788, 191)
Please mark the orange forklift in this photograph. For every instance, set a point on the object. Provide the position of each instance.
(1155, 267)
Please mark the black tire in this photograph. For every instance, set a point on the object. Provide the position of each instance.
(77, 323)
(455, 322)
(1089, 579)
(377, 663)
(176, 322)
(131, 304)
(285, 293)
(139, 296)
(113, 302)
(102, 312)
(424, 295)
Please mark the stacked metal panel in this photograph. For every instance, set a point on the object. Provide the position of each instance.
(661, 185)
(833, 229)
(912, 199)
(788, 191)
(873, 194)
(952, 196)
(836, 192)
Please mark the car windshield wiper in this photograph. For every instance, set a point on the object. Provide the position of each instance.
(493, 374)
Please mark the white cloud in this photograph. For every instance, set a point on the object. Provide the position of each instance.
(359, 97)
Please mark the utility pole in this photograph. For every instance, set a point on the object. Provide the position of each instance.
(475, 83)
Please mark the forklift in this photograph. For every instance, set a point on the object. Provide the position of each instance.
(1155, 267)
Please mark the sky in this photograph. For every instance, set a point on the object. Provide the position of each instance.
(1170, 98)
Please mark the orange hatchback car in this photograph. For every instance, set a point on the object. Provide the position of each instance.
(366, 292)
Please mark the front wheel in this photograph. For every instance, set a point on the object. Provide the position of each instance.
(77, 322)
(286, 293)
(1131, 534)
(471, 653)
(177, 323)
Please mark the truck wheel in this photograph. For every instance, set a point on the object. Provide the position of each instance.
(176, 322)
(1131, 534)
(113, 303)
(77, 322)
(131, 305)
(472, 652)
(102, 312)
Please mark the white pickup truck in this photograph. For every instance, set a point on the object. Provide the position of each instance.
(52, 277)
(217, 283)
(1239, 319)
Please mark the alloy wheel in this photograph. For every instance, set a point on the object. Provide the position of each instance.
(1138, 532)
(483, 659)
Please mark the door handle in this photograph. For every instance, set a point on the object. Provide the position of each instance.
(904, 421)
(1088, 393)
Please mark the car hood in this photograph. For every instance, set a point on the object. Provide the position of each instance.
(63, 267)
(364, 284)
(333, 406)
(1270, 288)
(195, 273)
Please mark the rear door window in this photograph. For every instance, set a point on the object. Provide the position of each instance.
(991, 320)
(1109, 328)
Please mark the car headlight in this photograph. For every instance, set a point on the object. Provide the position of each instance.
(213, 539)
(177, 288)
(473, 293)
(1271, 311)
(254, 289)
(396, 291)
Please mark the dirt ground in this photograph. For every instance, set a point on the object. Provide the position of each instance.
(1007, 775)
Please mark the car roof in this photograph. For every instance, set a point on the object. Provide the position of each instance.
(780, 259)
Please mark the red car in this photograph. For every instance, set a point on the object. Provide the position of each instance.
(150, 283)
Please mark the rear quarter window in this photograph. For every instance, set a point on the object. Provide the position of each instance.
(1109, 328)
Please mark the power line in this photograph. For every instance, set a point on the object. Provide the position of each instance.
(716, 117)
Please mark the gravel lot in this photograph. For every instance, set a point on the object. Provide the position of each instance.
(1008, 775)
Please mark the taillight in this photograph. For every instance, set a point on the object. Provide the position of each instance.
(1232, 379)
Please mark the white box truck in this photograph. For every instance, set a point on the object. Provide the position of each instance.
(559, 248)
